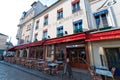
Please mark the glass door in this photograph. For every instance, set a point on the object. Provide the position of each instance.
(113, 59)
(77, 57)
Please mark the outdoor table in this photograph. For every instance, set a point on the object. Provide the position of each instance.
(29, 61)
(40, 62)
(39, 65)
(52, 65)
(59, 62)
(49, 61)
(103, 73)
(101, 67)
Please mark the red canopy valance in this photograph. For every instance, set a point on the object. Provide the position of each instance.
(69, 38)
(111, 34)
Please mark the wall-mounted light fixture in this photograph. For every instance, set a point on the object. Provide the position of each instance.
(66, 32)
(48, 37)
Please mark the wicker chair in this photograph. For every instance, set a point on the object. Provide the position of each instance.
(93, 75)
(45, 67)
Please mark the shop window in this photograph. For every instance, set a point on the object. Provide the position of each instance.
(77, 26)
(59, 56)
(24, 53)
(49, 50)
(39, 52)
(60, 31)
(113, 59)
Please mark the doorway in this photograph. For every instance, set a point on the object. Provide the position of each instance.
(113, 59)
(77, 57)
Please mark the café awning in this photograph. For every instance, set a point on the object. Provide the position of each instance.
(11, 49)
(106, 35)
(22, 46)
(37, 43)
(79, 36)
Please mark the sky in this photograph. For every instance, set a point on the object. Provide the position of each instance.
(10, 13)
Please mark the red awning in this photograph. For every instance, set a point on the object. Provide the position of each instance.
(107, 35)
(74, 2)
(37, 43)
(69, 38)
(11, 49)
(22, 46)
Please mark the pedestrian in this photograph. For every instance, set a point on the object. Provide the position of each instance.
(67, 68)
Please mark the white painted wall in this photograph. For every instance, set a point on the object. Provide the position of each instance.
(66, 21)
(98, 48)
(113, 14)
(3, 40)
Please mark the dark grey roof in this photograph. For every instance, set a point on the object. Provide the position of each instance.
(3, 34)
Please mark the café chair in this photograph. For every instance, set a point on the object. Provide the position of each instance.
(45, 67)
(93, 75)
(55, 70)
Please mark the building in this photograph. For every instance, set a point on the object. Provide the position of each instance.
(3, 39)
(104, 43)
(64, 32)
(56, 37)
(83, 31)
(26, 24)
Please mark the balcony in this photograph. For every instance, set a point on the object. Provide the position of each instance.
(75, 9)
(105, 28)
(45, 23)
(44, 38)
(78, 30)
(60, 35)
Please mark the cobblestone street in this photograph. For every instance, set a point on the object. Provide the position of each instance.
(9, 73)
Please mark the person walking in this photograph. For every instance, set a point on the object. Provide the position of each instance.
(67, 68)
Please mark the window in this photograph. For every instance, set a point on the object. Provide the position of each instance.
(75, 5)
(37, 24)
(27, 39)
(28, 27)
(36, 35)
(60, 31)
(49, 49)
(59, 56)
(101, 19)
(60, 13)
(45, 34)
(77, 26)
(112, 56)
(46, 20)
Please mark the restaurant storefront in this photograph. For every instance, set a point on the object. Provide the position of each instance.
(76, 52)
(106, 49)
(73, 46)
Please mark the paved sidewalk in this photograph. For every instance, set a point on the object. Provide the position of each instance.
(77, 74)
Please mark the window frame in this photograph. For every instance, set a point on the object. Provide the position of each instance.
(60, 31)
(77, 26)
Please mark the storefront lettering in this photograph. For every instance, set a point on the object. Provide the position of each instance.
(75, 15)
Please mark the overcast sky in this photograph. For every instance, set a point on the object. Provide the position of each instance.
(10, 13)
